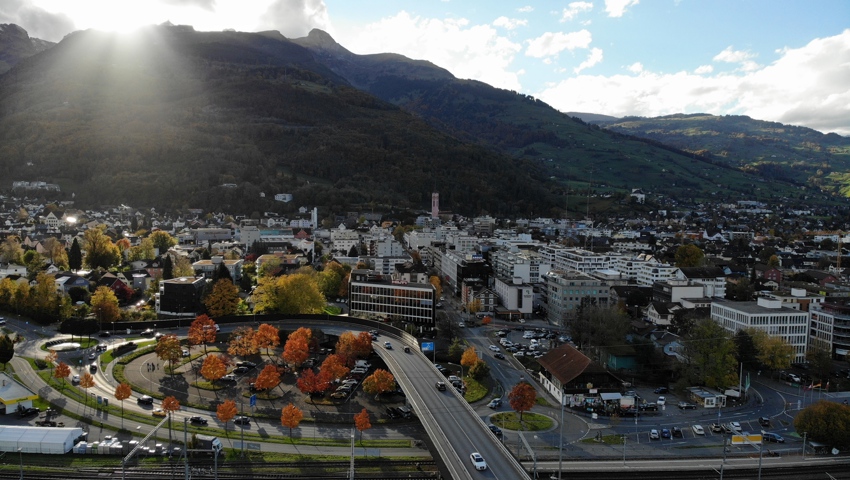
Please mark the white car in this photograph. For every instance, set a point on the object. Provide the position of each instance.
(653, 435)
(388, 345)
(494, 348)
(735, 426)
(662, 400)
(698, 430)
(478, 461)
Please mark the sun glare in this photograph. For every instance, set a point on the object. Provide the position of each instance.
(115, 15)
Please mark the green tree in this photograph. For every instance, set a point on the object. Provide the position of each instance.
(598, 326)
(104, 305)
(162, 241)
(100, 251)
(167, 268)
(75, 256)
(745, 348)
(689, 256)
(7, 350)
(11, 250)
(456, 348)
(143, 251)
(820, 361)
(479, 370)
(223, 299)
(709, 356)
(773, 351)
(289, 294)
(773, 261)
(826, 422)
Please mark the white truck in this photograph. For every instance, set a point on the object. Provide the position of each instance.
(208, 443)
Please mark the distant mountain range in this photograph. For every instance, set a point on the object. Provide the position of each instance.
(176, 118)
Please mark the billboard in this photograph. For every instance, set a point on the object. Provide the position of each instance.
(748, 439)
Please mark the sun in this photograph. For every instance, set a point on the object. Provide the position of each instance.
(116, 15)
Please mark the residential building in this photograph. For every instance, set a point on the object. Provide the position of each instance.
(516, 296)
(180, 296)
(574, 259)
(459, 269)
(527, 265)
(207, 268)
(767, 315)
(563, 292)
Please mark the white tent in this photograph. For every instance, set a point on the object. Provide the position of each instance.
(38, 439)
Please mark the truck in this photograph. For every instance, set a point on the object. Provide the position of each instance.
(208, 443)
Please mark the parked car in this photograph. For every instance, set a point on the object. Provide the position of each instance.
(662, 390)
(698, 430)
(496, 430)
(687, 406)
(26, 412)
(653, 434)
(393, 412)
(495, 403)
(677, 432)
(662, 400)
(716, 428)
(764, 421)
(665, 433)
(229, 378)
(198, 420)
(478, 461)
(735, 426)
(772, 437)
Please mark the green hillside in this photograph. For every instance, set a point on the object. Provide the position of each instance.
(177, 118)
(772, 150)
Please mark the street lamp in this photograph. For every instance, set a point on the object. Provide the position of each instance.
(21, 459)
(351, 472)
(561, 429)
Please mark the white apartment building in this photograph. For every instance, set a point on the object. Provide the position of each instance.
(767, 315)
(343, 239)
(516, 296)
(526, 265)
(575, 259)
(417, 239)
(830, 328)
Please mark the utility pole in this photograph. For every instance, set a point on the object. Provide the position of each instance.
(804, 445)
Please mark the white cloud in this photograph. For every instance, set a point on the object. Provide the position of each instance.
(616, 8)
(594, 57)
(295, 18)
(702, 69)
(636, 67)
(468, 51)
(805, 86)
(733, 56)
(550, 44)
(525, 9)
(574, 8)
(509, 23)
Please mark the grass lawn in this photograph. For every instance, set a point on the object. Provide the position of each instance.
(531, 422)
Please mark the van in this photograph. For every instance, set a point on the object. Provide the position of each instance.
(405, 411)
(362, 364)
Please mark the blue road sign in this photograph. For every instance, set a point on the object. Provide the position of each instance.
(253, 402)
(427, 346)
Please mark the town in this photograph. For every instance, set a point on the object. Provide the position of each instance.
(686, 298)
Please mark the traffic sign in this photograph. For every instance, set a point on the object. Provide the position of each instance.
(427, 346)
(253, 401)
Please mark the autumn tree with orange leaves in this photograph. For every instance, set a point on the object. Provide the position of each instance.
(522, 397)
(122, 392)
(51, 358)
(379, 382)
(334, 367)
(168, 349)
(170, 404)
(226, 411)
(291, 416)
(351, 347)
(361, 422)
(202, 331)
(309, 382)
(213, 367)
(267, 336)
(268, 378)
(61, 372)
(297, 347)
(86, 383)
(469, 357)
(242, 342)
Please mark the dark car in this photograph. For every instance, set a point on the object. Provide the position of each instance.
(242, 369)
(677, 432)
(198, 420)
(764, 421)
(148, 332)
(499, 355)
(441, 386)
(26, 412)
(662, 390)
(145, 400)
(104, 334)
(243, 420)
(665, 433)
(716, 428)
(496, 430)
(393, 412)
(687, 406)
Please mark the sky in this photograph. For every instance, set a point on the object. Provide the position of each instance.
(780, 60)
